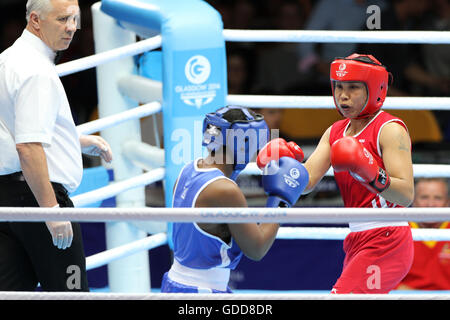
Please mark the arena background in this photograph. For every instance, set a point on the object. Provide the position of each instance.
(282, 68)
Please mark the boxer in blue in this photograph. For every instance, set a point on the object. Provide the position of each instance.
(204, 253)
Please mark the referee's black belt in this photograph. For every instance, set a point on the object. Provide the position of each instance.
(16, 176)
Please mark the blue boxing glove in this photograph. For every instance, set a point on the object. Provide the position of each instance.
(284, 181)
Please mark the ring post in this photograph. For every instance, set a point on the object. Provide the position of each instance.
(194, 70)
(131, 274)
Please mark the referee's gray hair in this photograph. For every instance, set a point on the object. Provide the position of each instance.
(42, 7)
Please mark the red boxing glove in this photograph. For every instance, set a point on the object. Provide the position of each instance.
(348, 154)
(277, 148)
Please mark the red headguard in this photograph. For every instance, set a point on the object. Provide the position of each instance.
(367, 69)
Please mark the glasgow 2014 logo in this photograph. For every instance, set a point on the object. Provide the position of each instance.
(197, 69)
(198, 91)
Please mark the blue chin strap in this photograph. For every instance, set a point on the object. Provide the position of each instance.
(246, 136)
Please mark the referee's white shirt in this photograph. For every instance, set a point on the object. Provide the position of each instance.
(34, 108)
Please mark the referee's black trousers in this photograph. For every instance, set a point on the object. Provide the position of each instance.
(27, 253)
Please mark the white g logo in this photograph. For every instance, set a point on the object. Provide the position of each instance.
(341, 72)
(197, 69)
(295, 173)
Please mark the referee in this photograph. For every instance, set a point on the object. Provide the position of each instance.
(40, 158)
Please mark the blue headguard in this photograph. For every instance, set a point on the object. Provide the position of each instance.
(245, 137)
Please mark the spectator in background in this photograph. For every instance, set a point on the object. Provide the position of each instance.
(244, 15)
(240, 77)
(272, 116)
(431, 265)
(329, 15)
(404, 59)
(275, 66)
(436, 62)
(437, 56)
(434, 69)
(239, 70)
(239, 74)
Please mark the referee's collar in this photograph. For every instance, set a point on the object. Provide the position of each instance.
(38, 44)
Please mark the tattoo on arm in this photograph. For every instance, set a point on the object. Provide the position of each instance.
(403, 145)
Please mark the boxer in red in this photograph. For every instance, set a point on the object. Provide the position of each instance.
(370, 152)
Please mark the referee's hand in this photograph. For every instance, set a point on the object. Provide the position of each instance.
(62, 233)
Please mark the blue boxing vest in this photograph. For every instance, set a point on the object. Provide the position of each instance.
(193, 247)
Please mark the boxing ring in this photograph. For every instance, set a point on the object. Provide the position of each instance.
(126, 96)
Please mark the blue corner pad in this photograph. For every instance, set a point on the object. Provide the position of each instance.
(93, 178)
(191, 65)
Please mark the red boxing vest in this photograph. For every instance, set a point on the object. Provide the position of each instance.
(353, 193)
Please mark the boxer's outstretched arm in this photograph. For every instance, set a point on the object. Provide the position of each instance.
(253, 239)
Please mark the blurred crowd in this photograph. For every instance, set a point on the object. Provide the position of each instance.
(288, 68)
(303, 68)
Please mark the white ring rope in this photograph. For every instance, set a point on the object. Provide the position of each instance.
(105, 257)
(331, 233)
(420, 170)
(266, 36)
(337, 36)
(330, 215)
(215, 296)
(92, 61)
(117, 187)
(284, 233)
(405, 103)
(326, 102)
(107, 122)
